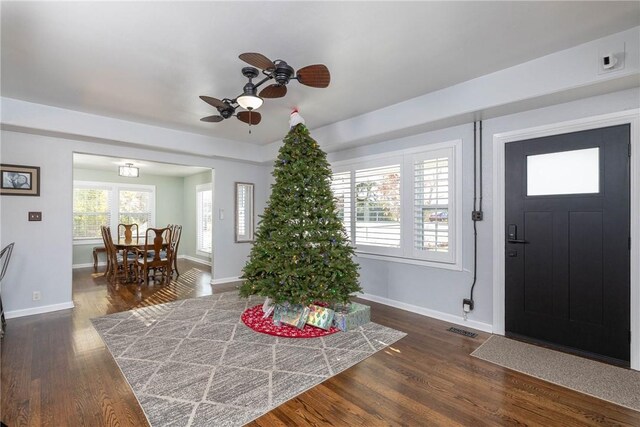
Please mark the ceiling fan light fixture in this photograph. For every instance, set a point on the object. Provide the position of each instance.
(129, 171)
(249, 101)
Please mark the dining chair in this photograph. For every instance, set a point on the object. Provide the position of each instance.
(5, 257)
(155, 255)
(111, 271)
(127, 231)
(176, 233)
(115, 266)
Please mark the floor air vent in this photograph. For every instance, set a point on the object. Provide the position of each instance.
(463, 332)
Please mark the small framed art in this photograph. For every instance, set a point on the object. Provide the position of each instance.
(16, 180)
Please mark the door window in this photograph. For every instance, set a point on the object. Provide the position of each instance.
(564, 172)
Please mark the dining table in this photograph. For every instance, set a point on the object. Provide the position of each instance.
(126, 246)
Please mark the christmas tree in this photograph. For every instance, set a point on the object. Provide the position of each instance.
(301, 254)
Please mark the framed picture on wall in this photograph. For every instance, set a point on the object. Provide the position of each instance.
(16, 180)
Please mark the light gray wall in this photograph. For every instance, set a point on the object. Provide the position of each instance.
(441, 291)
(169, 206)
(189, 233)
(43, 258)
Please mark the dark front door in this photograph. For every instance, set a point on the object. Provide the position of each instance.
(567, 248)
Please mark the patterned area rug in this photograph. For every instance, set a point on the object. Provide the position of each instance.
(194, 363)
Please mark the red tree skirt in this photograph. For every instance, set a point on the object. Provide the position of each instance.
(252, 317)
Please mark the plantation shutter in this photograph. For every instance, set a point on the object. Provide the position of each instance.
(377, 195)
(91, 209)
(204, 218)
(433, 198)
(341, 187)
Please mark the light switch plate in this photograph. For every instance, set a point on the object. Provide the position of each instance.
(35, 216)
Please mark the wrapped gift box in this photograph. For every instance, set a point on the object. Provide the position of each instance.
(267, 307)
(320, 317)
(350, 316)
(294, 315)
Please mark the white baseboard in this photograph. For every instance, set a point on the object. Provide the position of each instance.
(194, 259)
(451, 318)
(225, 280)
(38, 310)
(88, 264)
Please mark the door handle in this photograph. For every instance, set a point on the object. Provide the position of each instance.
(512, 235)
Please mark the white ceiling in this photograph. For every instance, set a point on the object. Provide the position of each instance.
(110, 164)
(149, 61)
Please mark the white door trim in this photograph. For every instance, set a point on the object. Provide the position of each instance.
(631, 117)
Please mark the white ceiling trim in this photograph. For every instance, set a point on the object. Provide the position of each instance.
(41, 119)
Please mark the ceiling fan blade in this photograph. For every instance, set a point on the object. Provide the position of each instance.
(212, 119)
(314, 75)
(273, 91)
(215, 102)
(249, 117)
(257, 60)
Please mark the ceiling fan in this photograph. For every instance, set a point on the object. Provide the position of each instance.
(226, 109)
(312, 75)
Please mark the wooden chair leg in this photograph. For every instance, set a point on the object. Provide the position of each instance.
(95, 260)
(175, 266)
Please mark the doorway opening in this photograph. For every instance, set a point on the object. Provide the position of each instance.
(153, 195)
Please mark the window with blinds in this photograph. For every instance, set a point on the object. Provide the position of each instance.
(431, 204)
(91, 209)
(244, 212)
(134, 207)
(204, 218)
(404, 205)
(241, 202)
(341, 187)
(377, 210)
(106, 203)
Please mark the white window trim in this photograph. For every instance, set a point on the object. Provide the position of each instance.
(115, 188)
(200, 188)
(406, 158)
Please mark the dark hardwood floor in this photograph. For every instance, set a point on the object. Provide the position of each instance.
(56, 371)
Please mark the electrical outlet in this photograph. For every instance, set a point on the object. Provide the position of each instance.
(36, 295)
(35, 216)
(467, 305)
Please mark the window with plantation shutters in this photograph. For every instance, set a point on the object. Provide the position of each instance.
(105, 203)
(91, 209)
(341, 187)
(404, 206)
(432, 201)
(377, 206)
(204, 218)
